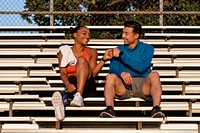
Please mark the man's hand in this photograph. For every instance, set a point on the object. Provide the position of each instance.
(126, 77)
(116, 52)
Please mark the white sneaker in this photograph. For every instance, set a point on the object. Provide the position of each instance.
(58, 106)
(77, 101)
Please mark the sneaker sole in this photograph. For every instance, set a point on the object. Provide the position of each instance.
(106, 115)
(158, 115)
(58, 106)
(75, 105)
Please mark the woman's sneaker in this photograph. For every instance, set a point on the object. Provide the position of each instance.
(58, 106)
(77, 101)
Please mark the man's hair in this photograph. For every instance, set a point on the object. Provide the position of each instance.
(137, 27)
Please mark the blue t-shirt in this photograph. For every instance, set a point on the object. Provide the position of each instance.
(136, 61)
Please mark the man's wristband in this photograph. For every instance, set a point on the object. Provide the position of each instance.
(121, 53)
(103, 59)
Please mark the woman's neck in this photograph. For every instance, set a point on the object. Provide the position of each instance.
(78, 48)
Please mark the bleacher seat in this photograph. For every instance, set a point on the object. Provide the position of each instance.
(29, 75)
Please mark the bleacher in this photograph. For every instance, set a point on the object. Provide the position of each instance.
(29, 75)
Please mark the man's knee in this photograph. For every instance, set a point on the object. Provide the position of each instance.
(110, 76)
(154, 75)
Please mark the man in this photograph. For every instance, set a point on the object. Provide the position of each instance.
(130, 74)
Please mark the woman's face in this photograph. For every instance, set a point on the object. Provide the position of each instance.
(82, 36)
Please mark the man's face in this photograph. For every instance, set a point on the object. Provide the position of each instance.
(129, 36)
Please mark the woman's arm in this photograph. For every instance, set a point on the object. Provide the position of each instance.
(93, 61)
(64, 75)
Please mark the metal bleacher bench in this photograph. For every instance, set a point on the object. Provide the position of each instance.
(34, 55)
(102, 45)
(179, 54)
(25, 66)
(138, 120)
(44, 36)
(20, 81)
(4, 119)
(195, 120)
(179, 81)
(30, 44)
(12, 98)
(168, 36)
(176, 66)
(178, 98)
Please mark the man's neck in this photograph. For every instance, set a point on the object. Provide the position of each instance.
(133, 45)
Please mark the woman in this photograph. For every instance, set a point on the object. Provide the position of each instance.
(78, 67)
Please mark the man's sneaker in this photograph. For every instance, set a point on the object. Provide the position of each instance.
(156, 113)
(108, 113)
(58, 106)
(77, 101)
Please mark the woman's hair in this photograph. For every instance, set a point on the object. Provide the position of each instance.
(75, 29)
(137, 28)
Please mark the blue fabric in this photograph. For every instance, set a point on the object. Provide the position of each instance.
(136, 61)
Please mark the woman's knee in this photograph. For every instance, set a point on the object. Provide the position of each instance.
(82, 61)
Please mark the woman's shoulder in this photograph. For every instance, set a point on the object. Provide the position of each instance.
(91, 49)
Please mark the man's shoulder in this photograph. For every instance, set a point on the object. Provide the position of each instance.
(121, 46)
(146, 44)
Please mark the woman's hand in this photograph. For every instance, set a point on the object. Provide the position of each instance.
(71, 88)
(108, 54)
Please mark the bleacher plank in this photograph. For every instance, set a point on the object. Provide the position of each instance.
(179, 126)
(180, 81)
(33, 55)
(23, 80)
(184, 120)
(98, 130)
(176, 66)
(32, 36)
(8, 89)
(12, 98)
(4, 120)
(175, 55)
(168, 36)
(25, 66)
(15, 119)
(30, 44)
(35, 59)
(20, 81)
(19, 126)
(138, 120)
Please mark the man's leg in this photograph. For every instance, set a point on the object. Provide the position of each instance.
(113, 86)
(152, 86)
